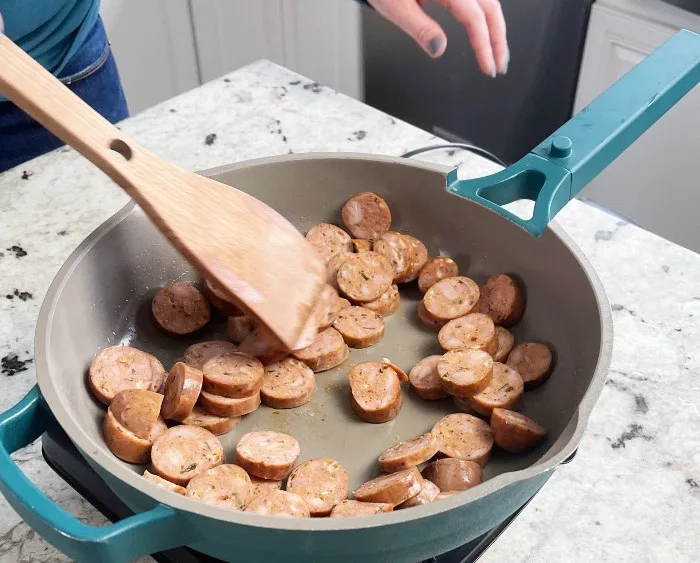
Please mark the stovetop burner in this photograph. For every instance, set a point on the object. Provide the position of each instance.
(63, 457)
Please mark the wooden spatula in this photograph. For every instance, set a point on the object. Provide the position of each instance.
(253, 252)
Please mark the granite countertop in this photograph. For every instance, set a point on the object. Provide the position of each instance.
(633, 491)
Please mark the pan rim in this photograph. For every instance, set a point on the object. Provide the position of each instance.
(98, 454)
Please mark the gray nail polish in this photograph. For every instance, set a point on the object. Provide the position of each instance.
(506, 63)
(435, 44)
(493, 69)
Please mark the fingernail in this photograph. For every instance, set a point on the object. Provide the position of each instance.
(506, 62)
(435, 45)
(493, 69)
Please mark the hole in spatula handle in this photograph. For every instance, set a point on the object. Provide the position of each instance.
(120, 147)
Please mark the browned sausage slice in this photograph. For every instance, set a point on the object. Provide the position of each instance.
(328, 240)
(427, 320)
(533, 361)
(238, 328)
(163, 483)
(425, 381)
(398, 250)
(264, 486)
(125, 444)
(365, 276)
(392, 488)
(182, 452)
(465, 372)
(420, 258)
(235, 375)
(361, 245)
(327, 351)
(505, 341)
(263, 345)
(451, 298)
(288, 384)
(515, 432)
(180, 308)
(348, 508)
(279, 503)
(121, 367)
(181, 391)
(217, 425)
(227, 407)
(502, 299)
(137, 410)
(218, 299)
(359, 327)
(267, 454)
(387, 303)
(321, 482)
(375, 392)
(409, 453)
(225, 485)
(503, 391)
(427, 494)
(474, 331)
(435, 270)
(366, 215)
(333, 267)
(198, 354)
(464, 436)
(331, 311)
(451, 474)
(446, 494)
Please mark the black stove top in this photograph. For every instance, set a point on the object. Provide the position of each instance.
(62, 456)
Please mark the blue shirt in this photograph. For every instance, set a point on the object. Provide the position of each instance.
(51, 31)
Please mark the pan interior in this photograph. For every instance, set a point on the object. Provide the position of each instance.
(105, 300)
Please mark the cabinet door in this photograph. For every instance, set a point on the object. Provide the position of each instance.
(654, 183)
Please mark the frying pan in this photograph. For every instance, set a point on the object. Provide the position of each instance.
(101, 297)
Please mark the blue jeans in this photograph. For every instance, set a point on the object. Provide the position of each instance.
(91, 74)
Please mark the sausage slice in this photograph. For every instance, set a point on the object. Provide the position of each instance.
(267, 454)
(503, 391)
(435, 270)
(180, 308)
(321, 482)
(181, 452)
(361, 245)
(360, 327)
(225, 485)
(328, 240)
(163, 483)
(465, 372)
(137, 410)
(425, 381)
(451, 474)
(387, 303)
(235, 375)
(515, 432)
(217, 425)
(451, 298)
(505, 340)
(366, 215)
(238, 328)
(279, 503)
(126, 445)
(181, 391)
(375, 392)
(474, 331)
(398, 250)
(198, 354)
(288, 384)
(227, 407)
(420, 258)
(409, 453)
(391, 488)
(327, 351)
(264, 486)
(333, 266)
(218, 299)
(502, 299)
(365, 276)
(118, 368)
(533, 361)
(346, 508)
(427, 494)
(464, 436)
(333, 308)
(427, 319)
(263, 345)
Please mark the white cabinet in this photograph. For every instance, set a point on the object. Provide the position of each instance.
(655, 183)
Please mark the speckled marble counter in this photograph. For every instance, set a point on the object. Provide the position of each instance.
(632, 493)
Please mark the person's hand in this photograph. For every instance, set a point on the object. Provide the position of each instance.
(483, 20)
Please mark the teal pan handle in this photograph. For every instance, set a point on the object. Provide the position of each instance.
(557, 169)
(151, 531)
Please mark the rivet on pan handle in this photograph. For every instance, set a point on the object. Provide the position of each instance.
(557, 169)
(148, 532)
